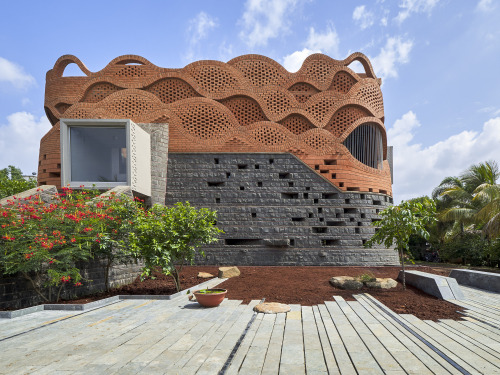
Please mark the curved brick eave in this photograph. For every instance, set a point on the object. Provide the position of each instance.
(249, 104)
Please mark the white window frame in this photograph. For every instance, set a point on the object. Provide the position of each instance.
(138, 145)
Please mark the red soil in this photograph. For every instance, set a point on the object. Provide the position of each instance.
(301, 285)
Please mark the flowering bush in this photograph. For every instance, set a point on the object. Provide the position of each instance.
(113, 221)
(44, 241)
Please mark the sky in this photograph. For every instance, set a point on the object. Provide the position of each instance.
(438, 60)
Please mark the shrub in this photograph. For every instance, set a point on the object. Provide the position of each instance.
(169, 237)
(470, 248)
(43, 242)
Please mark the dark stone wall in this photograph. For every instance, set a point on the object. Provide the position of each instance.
(17, 292)
(275, 210)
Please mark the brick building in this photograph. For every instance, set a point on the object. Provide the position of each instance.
(296, 164)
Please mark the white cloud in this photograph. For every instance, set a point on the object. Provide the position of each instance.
(225, 51)
(383, 21)
(198, 29)
(395, 52)
(294, 61)
(418, 170)
(14, 74)
(414, 6)
(20, 140)
(327, 42)
(485, 6)
(363, 17)
(264, 20)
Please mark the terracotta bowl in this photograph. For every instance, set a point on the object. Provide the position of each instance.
(210, 299)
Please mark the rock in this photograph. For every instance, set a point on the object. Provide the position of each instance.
(205, 275)
(271, 308)
(346, 282)
(382, 283)
(227, 272)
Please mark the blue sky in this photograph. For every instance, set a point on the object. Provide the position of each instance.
(438, 60)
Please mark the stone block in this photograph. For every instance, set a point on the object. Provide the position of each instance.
(477, 279)
(441, 287)
(346, 282)
(382, 283)
(228, 272)
(271, 308)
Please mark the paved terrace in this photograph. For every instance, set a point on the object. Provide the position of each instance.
(179, 337)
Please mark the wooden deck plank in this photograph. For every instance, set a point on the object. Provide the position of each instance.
(406, 359)
(314, 357)
(273, 356)
(329, 357)
(383, 357)
(429, 358)
(342, 357)
(244, 348)
(292, 352)
(255, 357)
(485, 329)
(222, 350)
(458, 353)
(360, 356)
(476, 347)
(473, 332)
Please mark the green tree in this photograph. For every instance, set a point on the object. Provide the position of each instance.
(489, 197)
(457, 201)
(13, 182)
(400, 222)
(169, 237)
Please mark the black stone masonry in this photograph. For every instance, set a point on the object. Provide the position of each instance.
(275, 210)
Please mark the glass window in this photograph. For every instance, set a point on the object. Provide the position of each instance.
(98, 154)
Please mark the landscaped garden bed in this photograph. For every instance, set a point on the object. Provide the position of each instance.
(298, 285)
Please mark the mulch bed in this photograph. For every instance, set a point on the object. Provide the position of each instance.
(306, 286)
(310, 286)
(301, 285)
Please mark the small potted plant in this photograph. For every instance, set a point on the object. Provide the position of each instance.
(210, 297)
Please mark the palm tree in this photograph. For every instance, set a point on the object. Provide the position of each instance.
(489, 196)
(461, 199)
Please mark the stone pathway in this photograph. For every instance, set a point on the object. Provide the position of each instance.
(179, 337)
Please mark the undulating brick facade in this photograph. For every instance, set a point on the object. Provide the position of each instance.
(325, 120)
(249, 104)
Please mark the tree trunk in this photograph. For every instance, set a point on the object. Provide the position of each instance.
(175, 275)
(106, 275)
(401, 254)
(37, 290)
(59, 292)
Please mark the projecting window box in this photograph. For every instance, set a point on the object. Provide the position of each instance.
(105, 153)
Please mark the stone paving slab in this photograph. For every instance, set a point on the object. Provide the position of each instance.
(154, 336)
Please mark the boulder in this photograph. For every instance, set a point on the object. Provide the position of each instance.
(346, 282)
(205, 275)
(271, 308)
(228, 272)
(382, 283)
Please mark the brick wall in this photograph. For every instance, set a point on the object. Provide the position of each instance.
(249, 104)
